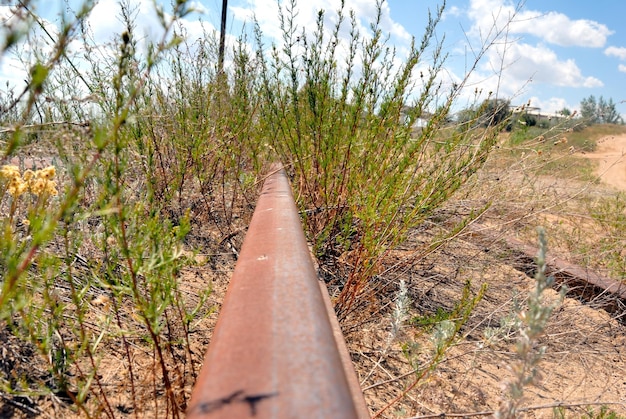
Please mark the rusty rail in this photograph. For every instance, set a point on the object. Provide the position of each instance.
(607, 293)
(277, 350)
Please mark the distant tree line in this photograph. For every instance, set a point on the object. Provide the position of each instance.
(599, 111)
(492, 112)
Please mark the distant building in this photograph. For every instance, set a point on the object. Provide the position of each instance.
(550, 118)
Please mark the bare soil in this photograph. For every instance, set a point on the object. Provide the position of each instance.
(611, 158)
(585, 347)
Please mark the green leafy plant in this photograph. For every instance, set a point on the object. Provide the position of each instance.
(88, 259)
(363, 176)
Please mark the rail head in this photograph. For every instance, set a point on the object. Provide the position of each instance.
(273, 352)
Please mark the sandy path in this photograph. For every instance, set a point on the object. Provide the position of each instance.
(611, 156)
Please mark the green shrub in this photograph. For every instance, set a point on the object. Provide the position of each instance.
(527, 120)
(361, 178)
(89, 259)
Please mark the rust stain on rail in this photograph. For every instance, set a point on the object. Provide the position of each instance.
(273, 352)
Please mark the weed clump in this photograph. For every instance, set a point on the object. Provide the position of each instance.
(363, 175)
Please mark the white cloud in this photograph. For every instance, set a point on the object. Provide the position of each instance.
(523, 63)
(452, 11)
(557, 28)
(104, 26)
(34, 44)
(198, 7)
(14, 20)
(31, 35)
(264, 11)
(517, 63)
(305, 18)
(552, 27)
(619, 52)
(106, 21)
(622, 68)
(12, 72)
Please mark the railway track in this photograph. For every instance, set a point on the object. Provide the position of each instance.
(277, 350)
(586, 285)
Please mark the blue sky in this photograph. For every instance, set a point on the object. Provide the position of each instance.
(558, 51)
(568, 50)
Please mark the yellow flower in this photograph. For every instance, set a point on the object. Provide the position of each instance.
(17, 186)
(46, 173)
(9, 172)
(37, 186)
(37, 182)
(51, 188)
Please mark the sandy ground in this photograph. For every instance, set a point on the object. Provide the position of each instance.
(611, 157)
(584, 366)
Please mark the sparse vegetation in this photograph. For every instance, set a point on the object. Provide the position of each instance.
(531, 323)
(129, 173)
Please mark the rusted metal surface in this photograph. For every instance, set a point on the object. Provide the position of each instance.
(273, 353)
(606, 292)
(353, 380)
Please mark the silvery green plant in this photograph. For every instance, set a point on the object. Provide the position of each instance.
(398, 316)
(400, 310)
(532, 324)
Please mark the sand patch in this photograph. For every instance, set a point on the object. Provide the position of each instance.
(611, 157)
